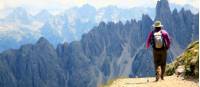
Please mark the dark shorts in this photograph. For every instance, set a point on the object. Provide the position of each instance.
(160, 56)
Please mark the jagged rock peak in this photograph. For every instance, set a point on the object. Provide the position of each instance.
(162, 5)
(145, 16)
(102, 23)
(64, 45)
(175, 11)
(162, 2)
(43, 41)
(162, 9)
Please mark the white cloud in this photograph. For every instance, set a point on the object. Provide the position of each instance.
(65, 4)
(122, 3)
(194, 3)
(99, 16)
(11, 30)
(18, 31)
(115, 17)
(72, 22)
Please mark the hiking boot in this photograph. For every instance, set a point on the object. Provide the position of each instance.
(162, 77)
(157, 78)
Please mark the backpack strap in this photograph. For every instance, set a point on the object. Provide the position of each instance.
(164, 43)
(152, 39)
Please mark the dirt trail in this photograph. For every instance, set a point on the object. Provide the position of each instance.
(170, 81)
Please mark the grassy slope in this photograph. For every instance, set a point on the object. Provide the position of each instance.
(189, 59)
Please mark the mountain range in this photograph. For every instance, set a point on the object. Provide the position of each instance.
(107, 51)
(20, 26)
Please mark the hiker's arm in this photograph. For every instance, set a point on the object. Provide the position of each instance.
(148, 40)
(168, 40)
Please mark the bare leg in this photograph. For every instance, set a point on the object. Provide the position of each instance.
(157, 72)
(163, 71)
(163, 65)
(156, 63)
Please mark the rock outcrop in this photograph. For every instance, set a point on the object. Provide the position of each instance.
(187, 63)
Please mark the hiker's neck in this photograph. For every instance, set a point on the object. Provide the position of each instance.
(157, 29)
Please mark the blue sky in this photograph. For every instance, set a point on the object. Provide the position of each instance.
(65, 4)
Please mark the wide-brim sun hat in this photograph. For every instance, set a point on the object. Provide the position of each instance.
(157, 24)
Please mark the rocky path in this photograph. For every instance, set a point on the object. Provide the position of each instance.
(170, 81)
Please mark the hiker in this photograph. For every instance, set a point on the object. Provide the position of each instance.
(160, 42)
